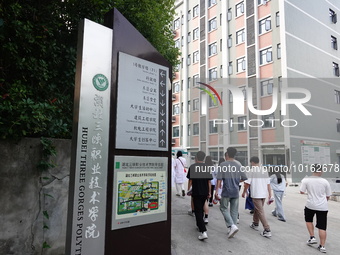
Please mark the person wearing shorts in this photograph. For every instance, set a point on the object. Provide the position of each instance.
(318, 192)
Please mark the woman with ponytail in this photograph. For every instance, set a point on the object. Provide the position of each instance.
(278, 184)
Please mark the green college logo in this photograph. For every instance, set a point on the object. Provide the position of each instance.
(100, 82)
(117, 165)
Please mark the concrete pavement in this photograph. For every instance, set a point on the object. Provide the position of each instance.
(287, 237)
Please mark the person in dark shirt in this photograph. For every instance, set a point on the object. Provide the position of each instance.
(199, 180)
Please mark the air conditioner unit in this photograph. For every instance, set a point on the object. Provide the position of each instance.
(174, 33)
(173, 97)
(173, 118)
(173, 141)
(230, 42)
(230, 69)
(229, 16)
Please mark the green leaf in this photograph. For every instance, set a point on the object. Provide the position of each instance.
(45, 213)
(48, 195)
(38, 55)
(46, 245)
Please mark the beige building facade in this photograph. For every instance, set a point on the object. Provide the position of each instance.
(258, 50)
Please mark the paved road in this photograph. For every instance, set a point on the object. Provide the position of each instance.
(287, 237)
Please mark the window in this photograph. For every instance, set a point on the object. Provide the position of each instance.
(277, 19)
(195, 105)
(195, 80)
(259, 2)
(241, 64)
(195, 57)
(265, 56)
(230, 68)
(177, 23)
(264, 25)
(195, 34)
(221, 71)
(241, 125)
(177, 67)
(230, 97)
(182, 40)
(221, 45)
(189, 107)
(175, 131)
(212, 127)
(188, 83)
(189, 15)
(336, 69)
(189, 37)
(175, 109)
(239, 9)
(337, 96)
(195, 11)
(212, 24)
(333, 16)
(176, 87)
(212, 74)
(268, 121)
(231, 126)
(196, 129)
(240, 36)
(211, 3)
(338, 125)
(280, 83)
(278, 51)
(177, 43)
(334, 43)
(267, 87)
(244, 91)
(212, 49)
(213, 103)
(189, 59)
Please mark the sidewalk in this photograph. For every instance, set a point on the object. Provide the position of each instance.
(287, 237)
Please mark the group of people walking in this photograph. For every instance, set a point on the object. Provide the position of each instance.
(258, 187)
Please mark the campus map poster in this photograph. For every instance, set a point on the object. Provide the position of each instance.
(140, 190)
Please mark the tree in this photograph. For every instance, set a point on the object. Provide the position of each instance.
(38, 55)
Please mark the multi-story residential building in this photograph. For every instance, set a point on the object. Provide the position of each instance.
(273, 51)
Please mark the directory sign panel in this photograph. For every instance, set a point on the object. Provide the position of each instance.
(142, 108)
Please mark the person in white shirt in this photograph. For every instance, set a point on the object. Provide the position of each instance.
(173, 164)
(259, 184)
(180, 173)
(318, 192)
